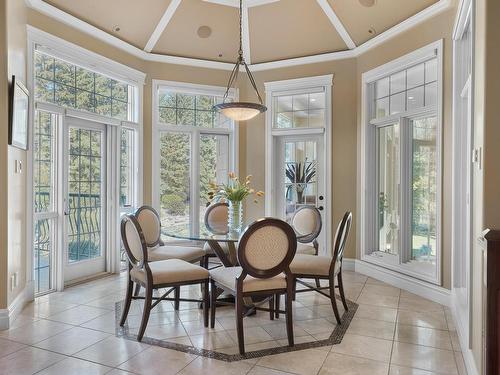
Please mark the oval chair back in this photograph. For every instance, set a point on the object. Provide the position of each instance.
(307, 223)
(266, 248)
(216, 218)
(133, 241)
(149, 220)
(341, 237)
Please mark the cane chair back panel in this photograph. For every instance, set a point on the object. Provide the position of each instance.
(267, 247)
(133, 241)
(149, 220)
(216, 218)
(306, 222)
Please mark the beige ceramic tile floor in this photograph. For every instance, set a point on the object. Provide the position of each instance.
(393, 333)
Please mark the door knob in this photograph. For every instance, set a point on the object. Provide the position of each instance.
(320, 208)
(321, 197)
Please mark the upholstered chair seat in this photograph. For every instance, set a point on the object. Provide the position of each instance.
(227, 277)
(170, 271)
(305, 264)
(305, 248)
(165, 252)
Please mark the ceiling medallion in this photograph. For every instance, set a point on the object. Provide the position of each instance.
(240, 111)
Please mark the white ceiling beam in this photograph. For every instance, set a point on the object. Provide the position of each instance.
(165, 19)
(236, 3)
(332, 16)
(246, 35)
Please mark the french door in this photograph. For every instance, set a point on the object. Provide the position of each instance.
(84, 199)
(300, 177)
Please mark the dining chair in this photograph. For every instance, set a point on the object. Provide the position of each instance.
(306, 266)
(266, 248)
(150, 223)
(170, 273)
(307, 223)
(216, 221)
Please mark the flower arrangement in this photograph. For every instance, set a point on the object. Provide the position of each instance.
(233, 191)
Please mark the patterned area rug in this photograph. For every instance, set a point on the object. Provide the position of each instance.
(183, 330)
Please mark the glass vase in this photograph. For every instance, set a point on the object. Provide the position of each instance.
(235, 216)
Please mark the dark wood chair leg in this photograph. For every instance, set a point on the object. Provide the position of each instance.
(294, 289)
(271, 307)
(128, 300)
(177, 295)
(341, 290)
(277, 298)
(137, 289)
(206, 302)
(288, 314)
(213, 303)
(145, 315)
(318, 284)
(239, 323)
(333, 300)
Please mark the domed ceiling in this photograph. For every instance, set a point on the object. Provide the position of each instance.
(273, 30)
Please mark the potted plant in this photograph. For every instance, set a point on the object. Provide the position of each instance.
(299, 174)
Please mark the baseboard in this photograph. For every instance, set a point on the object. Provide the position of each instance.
(348, 264)
(470, 362)
(7, 316)
(421, 288)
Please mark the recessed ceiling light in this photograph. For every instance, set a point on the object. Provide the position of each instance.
(116, 28)
(367, 3)
(204, 32)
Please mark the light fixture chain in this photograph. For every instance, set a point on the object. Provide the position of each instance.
(241, 38)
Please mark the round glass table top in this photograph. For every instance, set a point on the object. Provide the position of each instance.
(186, 231)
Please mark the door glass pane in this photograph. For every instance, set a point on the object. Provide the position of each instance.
(43, 250)
(127, 167)
(388, 167)
(175, 169)
(43, 161)
(214, 165)
(84, 201)
(300, 175)
(423, 204)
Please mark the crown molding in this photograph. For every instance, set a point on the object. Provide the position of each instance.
(99, 34)
(165, 19)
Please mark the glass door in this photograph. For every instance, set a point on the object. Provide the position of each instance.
(85, 192)
(300, 177)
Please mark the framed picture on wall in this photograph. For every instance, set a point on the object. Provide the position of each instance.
(18, 114)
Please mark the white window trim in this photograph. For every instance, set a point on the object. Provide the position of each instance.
(290, 87)
(233, 133)
(366, 229)
(72, 53)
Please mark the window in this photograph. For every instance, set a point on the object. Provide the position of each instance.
(71, 86)
(402, 164)
(127, 167)
(193, 145)
(299, 111)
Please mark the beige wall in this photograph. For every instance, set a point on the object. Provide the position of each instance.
(4, 85)
(439, 27)
(16, 25)
(486, 131)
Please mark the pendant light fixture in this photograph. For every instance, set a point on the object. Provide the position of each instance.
(240, 111)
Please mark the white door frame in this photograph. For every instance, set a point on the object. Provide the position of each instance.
(294, 86)
(105, 249)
